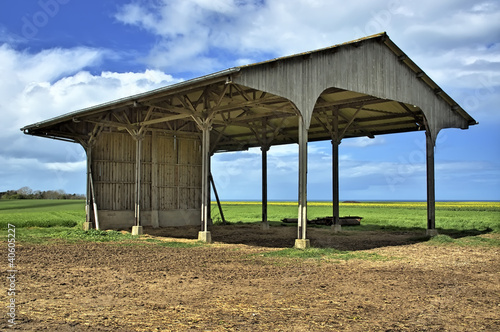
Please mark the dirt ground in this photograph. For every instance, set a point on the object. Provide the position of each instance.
(231, 286)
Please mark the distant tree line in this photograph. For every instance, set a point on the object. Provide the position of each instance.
(28, 193)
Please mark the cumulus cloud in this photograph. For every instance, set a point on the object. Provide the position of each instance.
(208, 30)
(455, 42)
(38, 86)
(53, 82)
(451, 41)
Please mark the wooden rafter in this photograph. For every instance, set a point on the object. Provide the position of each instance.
(350, 122)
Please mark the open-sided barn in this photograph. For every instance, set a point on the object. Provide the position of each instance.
(149, 154)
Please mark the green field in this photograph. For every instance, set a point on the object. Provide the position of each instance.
(449, 215)
(41, 213)
(44, 219)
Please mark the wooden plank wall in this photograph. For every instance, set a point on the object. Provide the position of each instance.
(178, 166)
(113, 168)
(189, 170)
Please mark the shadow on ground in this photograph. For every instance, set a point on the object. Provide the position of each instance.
(350, 238)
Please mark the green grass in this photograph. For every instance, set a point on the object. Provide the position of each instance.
(175, 244)
(323, 253)
(458, 216)
(92, 235)
(40, 221)
(41, 213)
(43, 221)
(468, 241)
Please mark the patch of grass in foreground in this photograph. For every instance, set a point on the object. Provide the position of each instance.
(465, 241)
(175, 244)
(48, 234)
(35, 234)
(323, 253)
(42, 235)
(94, 235)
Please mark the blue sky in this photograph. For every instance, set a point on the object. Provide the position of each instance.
(58, 56)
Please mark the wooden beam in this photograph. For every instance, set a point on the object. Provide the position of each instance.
(365, 132)
(218, 200)
(431, 193)
(349, 123)
(165, 119)
(205, 152)
(412, 114)
(264, 148)
(220, 134)
(142, 123)
(111, 124)
(351, 102)
(154, 181)
(336, 138)
(242, 92)
(88, 218)
(138, 174)
(302, 216)
(92, 191)
(265, 222)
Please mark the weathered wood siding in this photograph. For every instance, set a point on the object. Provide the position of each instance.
(176, 186)
(370, 68)
(113, 170)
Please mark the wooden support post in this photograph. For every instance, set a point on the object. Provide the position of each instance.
(264, 148)
(218, 200)
(88, 218)
(301, 241)
(204, 235)
(265, 222)
(94, 204)
(154, 181)
(138, 148)
(335, 186)
(209, 192)
(431, 194)
(336, 227)
(91, 204)
(137, 228)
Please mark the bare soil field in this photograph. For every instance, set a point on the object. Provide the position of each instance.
(232, 286)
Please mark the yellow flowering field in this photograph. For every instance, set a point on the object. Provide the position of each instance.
(439, 205)
(451, 215)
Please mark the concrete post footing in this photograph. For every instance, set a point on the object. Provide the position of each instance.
(431, 232)
(264, 226)
(336, 228)
(302, 243)
(137, 230)
(205, 237)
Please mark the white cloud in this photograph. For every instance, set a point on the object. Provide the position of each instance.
(67, 166)
(197, 34)
(50, 83)
(458, 48)
(464, 20)
(361, 142)
(38, 86)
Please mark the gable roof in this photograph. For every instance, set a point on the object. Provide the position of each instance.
(370, 83)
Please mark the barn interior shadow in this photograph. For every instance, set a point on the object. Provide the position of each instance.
(351, 238)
